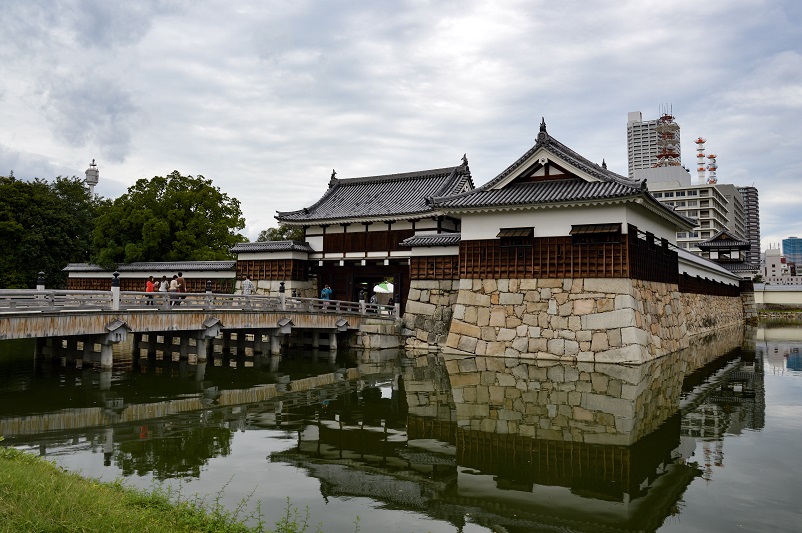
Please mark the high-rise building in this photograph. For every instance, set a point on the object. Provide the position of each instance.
(652, 143)
(792, 250)
(751, 222)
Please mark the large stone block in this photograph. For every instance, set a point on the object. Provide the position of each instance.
(510, 298)
(632, 354)
(420, 308)
(621, 318)
(462, 328)
(609, 285)
(634, 336)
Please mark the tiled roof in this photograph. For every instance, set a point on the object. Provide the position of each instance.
(597, 184)
(183, 266)
(544, 192)
(432, 239)
(544, 140)
(378, 197)
(723, 239)
(271, 246)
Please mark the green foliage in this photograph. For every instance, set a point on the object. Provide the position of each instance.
(282, 233)
(173, 218)
(43, 226)
(758, 278)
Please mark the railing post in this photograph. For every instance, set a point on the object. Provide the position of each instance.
(282, 296)
(115, 292)
(40, 281)
(208, 294)
(397, 310)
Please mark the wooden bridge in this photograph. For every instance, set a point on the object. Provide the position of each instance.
(191, 321)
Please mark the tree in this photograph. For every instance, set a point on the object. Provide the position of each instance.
(43, 226)
(281, 233)
(173, 218)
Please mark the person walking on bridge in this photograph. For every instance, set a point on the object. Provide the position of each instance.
(149, 288)
(247, 286)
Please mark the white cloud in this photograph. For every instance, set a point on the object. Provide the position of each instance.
(265, 98)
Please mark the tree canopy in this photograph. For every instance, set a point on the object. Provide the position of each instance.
(281, 233)
(172, 218)
(43, 226)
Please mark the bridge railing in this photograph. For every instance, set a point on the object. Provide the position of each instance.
(32, 300)
(21, 301)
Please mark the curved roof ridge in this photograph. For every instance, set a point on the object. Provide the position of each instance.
(546, 141)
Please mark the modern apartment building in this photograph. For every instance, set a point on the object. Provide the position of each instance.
(650, 141)
(716, 207)
(752, 223)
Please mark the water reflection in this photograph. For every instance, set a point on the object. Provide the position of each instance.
(467, 441)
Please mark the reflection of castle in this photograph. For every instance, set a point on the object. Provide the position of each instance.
(592, 447)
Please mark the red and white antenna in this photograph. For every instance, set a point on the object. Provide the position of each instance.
(700, 160)
(711, 169)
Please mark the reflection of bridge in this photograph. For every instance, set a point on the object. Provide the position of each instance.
(104, 318)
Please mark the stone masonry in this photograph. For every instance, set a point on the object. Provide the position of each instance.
(590, 320)
(428, 312)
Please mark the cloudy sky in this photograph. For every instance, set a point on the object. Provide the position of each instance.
(267, 97)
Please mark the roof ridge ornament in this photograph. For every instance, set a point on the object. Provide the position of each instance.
(604, 164)
(543, 136)
(465, 159)
(333, 180)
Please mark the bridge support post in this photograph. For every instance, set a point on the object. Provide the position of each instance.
(316, 339)
(275, 343)
(106, 356)
(333, 341)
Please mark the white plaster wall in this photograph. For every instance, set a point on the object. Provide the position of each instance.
(426, 251)
(257, 256)
(316, 243)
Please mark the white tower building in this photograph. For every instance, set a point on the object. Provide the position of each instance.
(92, 177)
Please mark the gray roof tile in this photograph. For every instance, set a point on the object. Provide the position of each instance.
(271, 246)
(387, 196)
(184, 266)
(432, 239)
(544, 192)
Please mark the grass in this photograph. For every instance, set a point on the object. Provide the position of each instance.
(38, 496)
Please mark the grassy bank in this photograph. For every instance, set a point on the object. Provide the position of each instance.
(37, 496)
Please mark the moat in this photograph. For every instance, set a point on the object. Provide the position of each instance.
(702, 440)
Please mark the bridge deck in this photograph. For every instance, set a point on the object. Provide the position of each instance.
(31, 313)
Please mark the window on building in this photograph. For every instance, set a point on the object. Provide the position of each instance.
(516, 236)
(595, 233)
(680, 193)
(669, 195)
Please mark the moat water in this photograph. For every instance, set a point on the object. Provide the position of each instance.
(707, 440)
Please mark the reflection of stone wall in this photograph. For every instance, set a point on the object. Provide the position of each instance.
(594, 320)
(582, 402)
(600, 403)
(427, 315)
(428, 390)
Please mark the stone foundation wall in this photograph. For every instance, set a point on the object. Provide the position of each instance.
(592, 320)
(704, 313)
(428, 312)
